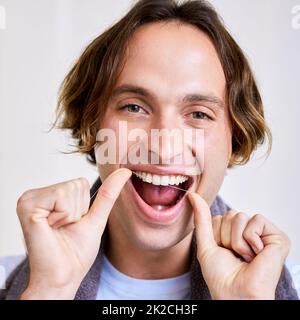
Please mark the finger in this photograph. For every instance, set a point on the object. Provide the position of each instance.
(226, 229)
(276, 246)
(54, 217)
(62, 197)
(238, 243)
(83, 200)
(80, 204)
(203, 224)
(216, 223)
(68, 219)
(44, 191)
(107, 195)
(253, 232)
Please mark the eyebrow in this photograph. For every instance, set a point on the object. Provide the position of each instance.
(189, 98)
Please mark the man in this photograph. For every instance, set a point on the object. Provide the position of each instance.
(163, 66)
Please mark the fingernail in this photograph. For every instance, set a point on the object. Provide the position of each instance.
(122, 169)
(129, 172)
(257, 249)
(247, 258)
(191, 196)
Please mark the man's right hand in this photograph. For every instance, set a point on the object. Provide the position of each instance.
(63, 235)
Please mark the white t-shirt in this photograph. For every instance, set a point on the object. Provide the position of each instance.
(115, 285)
(112, 288)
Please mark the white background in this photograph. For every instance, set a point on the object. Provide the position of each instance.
(44, 37)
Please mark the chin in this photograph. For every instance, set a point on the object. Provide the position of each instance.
(145, 233)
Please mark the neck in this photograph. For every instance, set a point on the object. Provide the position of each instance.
(146, 264)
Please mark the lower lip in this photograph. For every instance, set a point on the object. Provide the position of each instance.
(155, 216)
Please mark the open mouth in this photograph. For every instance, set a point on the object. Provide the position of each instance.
(161, 192)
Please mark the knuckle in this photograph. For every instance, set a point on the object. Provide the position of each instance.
(22, 207)
(70, 218)
(59, 192)
(228, 215)
(285, 240)
(247, 233)
(226, 243)
(239, 247)
(78, 185)
(69, 186)
(25, 195)
(67, 220)
(84, 182)
(73, 185)
(225, 215)
(85, 207)
(258, 217)
(105, 193)
(85, 191)
(239, 219)
(225, 240)
(32, 218)
(77, 218)
(22, 202)
(241, 216)
(216, 218)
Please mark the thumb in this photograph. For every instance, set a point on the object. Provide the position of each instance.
(107, 195)
(203, 224)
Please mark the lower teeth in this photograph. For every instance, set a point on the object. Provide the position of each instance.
(159, 207)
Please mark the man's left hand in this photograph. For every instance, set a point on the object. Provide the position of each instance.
(240, 257)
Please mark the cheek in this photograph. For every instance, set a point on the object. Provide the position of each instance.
(122, 143)
(217, 148)
(217, 153)
(218, 143)
(106, 169)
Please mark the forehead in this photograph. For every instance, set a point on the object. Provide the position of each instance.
(173, 58)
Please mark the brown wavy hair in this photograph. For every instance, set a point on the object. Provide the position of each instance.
(86, 89)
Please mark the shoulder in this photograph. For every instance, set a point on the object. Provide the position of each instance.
(219, 206)
(291, 278)
(286, 286)
(8, 265)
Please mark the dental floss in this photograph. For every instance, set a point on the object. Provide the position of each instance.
(179, 188)
(170, 186)
(94, 194)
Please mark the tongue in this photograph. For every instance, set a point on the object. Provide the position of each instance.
(157, 195)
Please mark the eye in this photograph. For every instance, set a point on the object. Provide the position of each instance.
(133, 108)
(200, 115)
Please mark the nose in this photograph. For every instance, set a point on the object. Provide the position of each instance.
(166, 141)
(173, 143)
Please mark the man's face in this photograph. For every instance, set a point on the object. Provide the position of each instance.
(170, 61)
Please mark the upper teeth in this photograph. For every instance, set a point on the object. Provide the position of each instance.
(160, 180)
